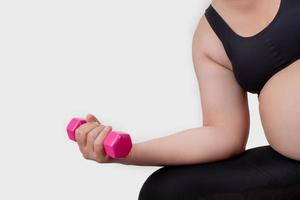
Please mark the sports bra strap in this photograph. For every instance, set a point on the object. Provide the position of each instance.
(218, 24)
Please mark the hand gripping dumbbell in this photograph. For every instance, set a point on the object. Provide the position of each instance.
(116, 144)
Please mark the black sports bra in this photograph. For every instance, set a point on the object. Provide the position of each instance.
(255, 59)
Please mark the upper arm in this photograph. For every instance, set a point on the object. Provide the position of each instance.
(224, 103)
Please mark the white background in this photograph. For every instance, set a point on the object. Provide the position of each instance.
(127, 62)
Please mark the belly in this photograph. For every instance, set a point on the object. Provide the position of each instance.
(279, 107)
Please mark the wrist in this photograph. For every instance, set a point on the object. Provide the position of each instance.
(129, 159)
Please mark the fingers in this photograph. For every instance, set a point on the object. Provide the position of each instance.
(92, 118)
(91, 137)
(81, 134)
(99, 153)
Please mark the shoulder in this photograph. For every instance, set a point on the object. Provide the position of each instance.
(207, 43)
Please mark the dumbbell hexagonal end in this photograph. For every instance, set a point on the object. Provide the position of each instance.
(117, 144)
(73, 125)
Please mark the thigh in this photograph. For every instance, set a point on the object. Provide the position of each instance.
(258, 169)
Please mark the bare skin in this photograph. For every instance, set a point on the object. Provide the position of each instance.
(279, 101)
(225, 111)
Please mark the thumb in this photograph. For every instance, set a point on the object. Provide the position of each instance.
(91, 118)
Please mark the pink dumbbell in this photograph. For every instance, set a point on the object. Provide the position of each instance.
(117, 144)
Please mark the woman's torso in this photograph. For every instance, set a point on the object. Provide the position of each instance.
(271, 67)
(258, 39)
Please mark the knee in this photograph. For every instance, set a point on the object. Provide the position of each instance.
(156, 186)
(148, 190)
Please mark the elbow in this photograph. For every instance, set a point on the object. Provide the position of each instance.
(237, 140)
(238, 147)
(237, 137)
(238, 151)
(233, 150)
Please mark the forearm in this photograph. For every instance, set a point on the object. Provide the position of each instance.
(191, 146)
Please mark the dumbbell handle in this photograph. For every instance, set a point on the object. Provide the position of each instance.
(116, 144)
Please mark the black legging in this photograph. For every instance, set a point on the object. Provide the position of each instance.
(259, 173)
